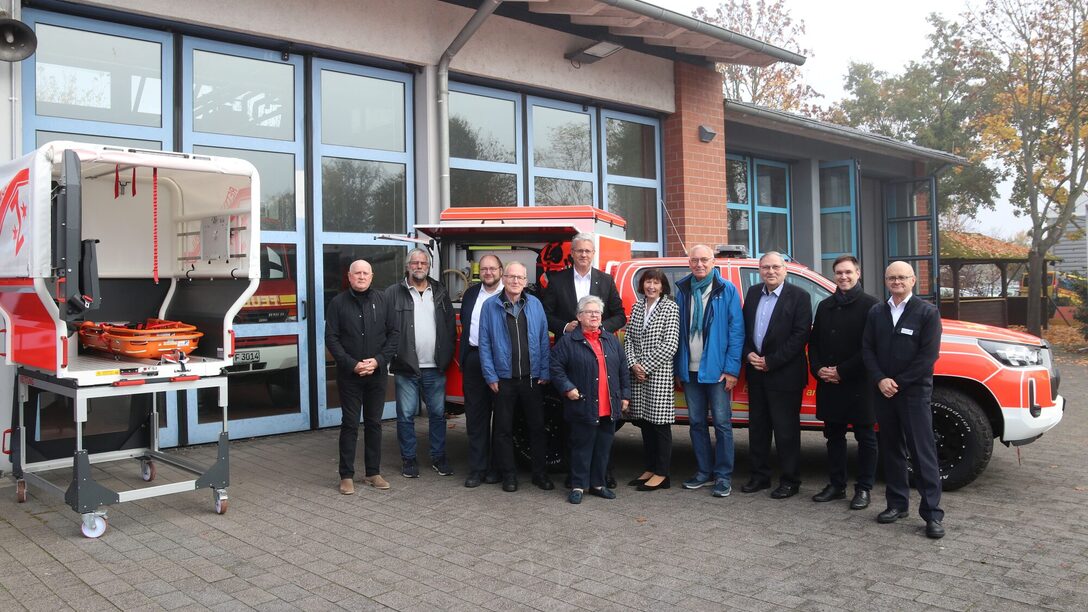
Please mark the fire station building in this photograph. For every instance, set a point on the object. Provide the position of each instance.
(349, 107)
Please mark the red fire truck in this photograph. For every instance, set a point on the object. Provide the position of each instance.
(990, 383)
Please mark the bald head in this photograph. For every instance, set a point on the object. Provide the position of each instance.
(360, 275)
(899, 279)
(700, 261)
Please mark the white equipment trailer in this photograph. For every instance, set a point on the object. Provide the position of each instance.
(106, 238)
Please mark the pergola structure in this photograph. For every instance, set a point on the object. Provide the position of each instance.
(959, 249)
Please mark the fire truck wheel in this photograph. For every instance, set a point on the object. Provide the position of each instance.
(554, 430)
(964, 437)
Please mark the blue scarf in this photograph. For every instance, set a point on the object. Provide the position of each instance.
(697, 289)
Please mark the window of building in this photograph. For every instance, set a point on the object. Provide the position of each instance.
(838, 213)
(485, 147)
(911, 222)
(631, 175)
(758, 204)
(562, 154)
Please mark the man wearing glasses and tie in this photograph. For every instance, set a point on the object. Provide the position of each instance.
(514, 358)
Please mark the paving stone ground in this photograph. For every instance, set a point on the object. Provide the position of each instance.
(1018, 539)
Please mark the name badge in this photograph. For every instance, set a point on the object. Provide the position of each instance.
(907, 332)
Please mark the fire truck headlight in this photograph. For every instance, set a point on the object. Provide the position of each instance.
(1013, 355)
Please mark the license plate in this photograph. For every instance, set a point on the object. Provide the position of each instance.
(247, 356)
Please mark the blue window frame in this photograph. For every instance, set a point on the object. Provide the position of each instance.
(245, 107)
(632, 184)
(114, 104)
(364, 186)
(758, 204)
(484, 167)
(562, 158)
(838, 212)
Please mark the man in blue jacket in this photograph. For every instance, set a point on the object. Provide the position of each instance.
(514, 359)
(708, 364)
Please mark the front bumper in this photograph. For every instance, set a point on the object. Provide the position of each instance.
(1021, 426)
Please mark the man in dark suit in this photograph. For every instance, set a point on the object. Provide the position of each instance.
(479, 400)
(777, 321)
(901, 343)
(568, 286)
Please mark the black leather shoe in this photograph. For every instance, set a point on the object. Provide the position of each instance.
(544, 482)
(664, 484)
(934, 530)
(610, 481)
(636, 482)
(891, 515)
(830, 493)
(473, 480)
(785, 490)
(603, 492)
(861, 500)
(510, 484)
(755, 485)
(492, 478)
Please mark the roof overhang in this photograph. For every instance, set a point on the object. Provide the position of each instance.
(646, 28)
(789, 123)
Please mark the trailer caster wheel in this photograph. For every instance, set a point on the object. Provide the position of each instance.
(147, 470)
(20, 491)
(222, 502)
(94, 525)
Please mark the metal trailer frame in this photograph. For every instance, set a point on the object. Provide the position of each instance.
(83, 494)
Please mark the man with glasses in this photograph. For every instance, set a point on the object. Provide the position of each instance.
(777, 320)
(708, 364)
(424, 315)
(514, 358)
(479, 399)
(361, 336)
(900, 345)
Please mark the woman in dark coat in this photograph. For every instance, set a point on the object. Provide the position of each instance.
(843, 392)
(650, 341)
(589, 370)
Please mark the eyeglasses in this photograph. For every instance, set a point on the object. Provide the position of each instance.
(489, 269)
(702, 260)
(582, 251)
(513, 277)
(898, 279)
(774, 267)
(417, 263)
(592, 313)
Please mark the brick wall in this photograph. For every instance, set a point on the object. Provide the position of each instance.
(695, 189)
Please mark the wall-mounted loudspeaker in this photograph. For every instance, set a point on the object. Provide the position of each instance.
(17, 40)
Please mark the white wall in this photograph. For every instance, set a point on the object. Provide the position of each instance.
(418, 31)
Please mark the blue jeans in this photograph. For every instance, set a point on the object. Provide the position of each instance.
(431, 385)
(704, 399)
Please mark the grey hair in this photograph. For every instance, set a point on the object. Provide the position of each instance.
(772, 254)
(590, 299)
(426, 254)
(581, 237)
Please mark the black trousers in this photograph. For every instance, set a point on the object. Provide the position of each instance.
(906, 423)
(479, 405)
(367, 393)
(835, 434)
(771, 411)
(526, 394)
(656, 447)
(590, 449)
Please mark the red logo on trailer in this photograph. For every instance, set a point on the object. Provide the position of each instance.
(11, 202)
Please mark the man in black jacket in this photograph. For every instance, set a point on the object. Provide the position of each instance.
(479, 400)
(777, 320)
(424, 315)
(843, 393)
(360, 335)
(901, 344)
(567, 286)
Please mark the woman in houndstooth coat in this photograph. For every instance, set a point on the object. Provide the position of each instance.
(650, 341)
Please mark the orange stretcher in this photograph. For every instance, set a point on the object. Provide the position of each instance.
(153, 339)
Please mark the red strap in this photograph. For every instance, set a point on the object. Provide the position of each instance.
(134, 181)
(116, 181)
(155, 221)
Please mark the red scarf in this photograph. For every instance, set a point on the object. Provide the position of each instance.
(604, 401)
